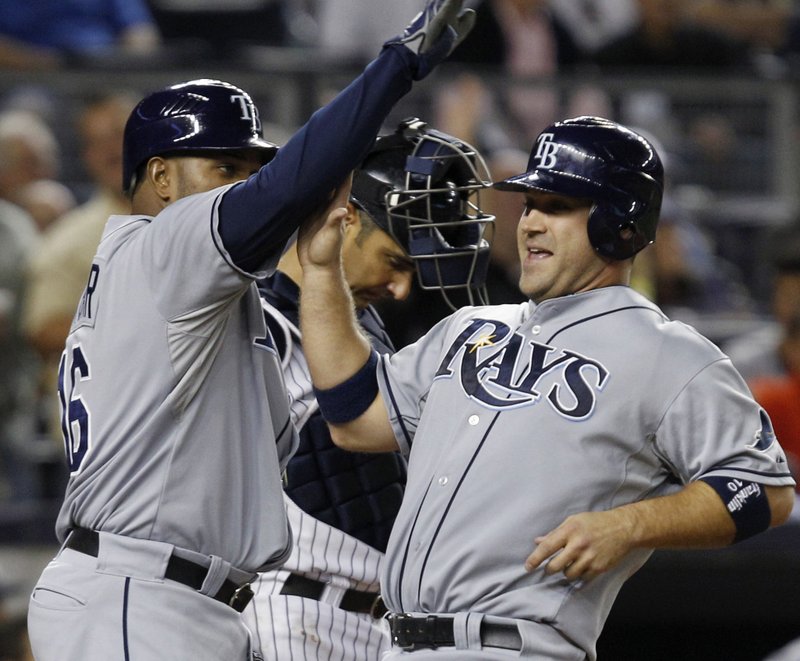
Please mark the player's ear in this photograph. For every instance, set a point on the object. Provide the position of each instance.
(352, 221)
(158, 175)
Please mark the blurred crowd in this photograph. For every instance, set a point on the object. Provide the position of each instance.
(60, 168)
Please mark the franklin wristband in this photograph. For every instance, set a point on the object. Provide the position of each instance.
(745, 501)
(349, 399)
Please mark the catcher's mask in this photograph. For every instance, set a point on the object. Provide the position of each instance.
(423, 188)
(607, 163)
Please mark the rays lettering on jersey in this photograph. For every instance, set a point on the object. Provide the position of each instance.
(502, 370)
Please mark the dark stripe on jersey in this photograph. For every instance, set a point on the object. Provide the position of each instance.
(399, 594)
(220, 248)
(452, 498)
(746, 470)
(125, 618)
(286, 426)
(602, 314)
(394, 405)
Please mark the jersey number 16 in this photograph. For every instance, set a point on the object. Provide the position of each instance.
(74, 414)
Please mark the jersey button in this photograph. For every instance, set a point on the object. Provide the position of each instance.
(474, 420)
(536, 329)
(443, 480)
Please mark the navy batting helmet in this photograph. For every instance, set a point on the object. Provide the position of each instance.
(197, 115)
(423, 188)
(607, 163)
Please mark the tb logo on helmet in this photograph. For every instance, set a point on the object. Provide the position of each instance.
(248, 110)
(546, 150)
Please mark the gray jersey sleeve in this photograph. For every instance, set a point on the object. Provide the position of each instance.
(192, 276)
(727, 434)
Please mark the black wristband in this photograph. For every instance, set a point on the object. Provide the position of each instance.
(348, 400)
(745, 501)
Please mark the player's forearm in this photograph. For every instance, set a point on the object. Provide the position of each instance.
(335, 350)
(695, 517)
(334, 346)
(587, 544)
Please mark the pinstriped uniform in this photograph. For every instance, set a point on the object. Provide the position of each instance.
(288, 627)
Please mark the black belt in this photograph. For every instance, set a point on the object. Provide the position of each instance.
(411, 633)
(178, 569)
(355, 601)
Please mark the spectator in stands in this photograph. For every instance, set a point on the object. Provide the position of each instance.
(46, 200)
(723, 156)
(354, 29)
(590, 25)
(763, 25)
(667, 36)
(220, 28)
(520, 38)
(45, 34)
(28, 152)
(777, 385)
(756, 354)
(29, 155)
(688, 276)
(18, 367)
(531, 41)
(58, 270)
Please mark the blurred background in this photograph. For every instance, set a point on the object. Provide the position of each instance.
(712, 82)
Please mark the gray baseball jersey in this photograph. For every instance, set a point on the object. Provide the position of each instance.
(191, 313)
(516, 416)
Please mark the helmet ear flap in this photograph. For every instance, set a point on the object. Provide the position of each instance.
(625, 222)
(614, 235)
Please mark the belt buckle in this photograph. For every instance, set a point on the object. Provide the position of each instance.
(411, 633)
(241, 597)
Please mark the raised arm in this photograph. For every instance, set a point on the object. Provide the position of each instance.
(339, 356)
(590, 543)
(259, 216)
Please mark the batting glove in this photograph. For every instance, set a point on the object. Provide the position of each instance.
(434, 33)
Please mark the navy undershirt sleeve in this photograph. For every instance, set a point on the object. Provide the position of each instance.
(259, 215)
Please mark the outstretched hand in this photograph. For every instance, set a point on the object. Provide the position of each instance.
(435, 32)
(584, 545)
(319, 240)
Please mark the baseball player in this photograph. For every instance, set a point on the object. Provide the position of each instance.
(175, 415)
(552, 444)
(324, 602)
